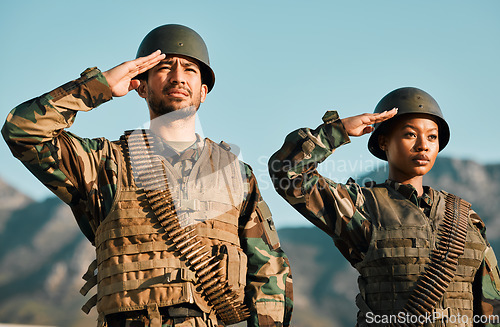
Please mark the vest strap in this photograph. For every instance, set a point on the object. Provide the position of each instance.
(91, 282)
(363, 309)
(133, 249)
(233, 265)
(131, 194)
(101, 320)
(221, 235)
(491, 261)
(268, 224)
(124, 213)
(199, 216)
(90, 304)
(154, 315)
(443, 313)
(184, 275)
(124, 232)
(198, 205)
(90, 271)
(90, 277)
(139, 266)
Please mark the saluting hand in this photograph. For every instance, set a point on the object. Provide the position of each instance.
(120, 78)
(362, 124)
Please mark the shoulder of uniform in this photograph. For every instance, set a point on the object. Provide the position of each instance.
(371, 188)
(246, 170)
(371, 184)
(368, 184)
(117, 144)
(225, 146)
(232, 148)
(246, 166)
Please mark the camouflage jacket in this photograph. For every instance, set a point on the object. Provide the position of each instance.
(338, 209)
(83, 173)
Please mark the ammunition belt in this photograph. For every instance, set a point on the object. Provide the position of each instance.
(432, 284)
(150, 175)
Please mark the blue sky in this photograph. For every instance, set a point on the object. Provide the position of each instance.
(279, 66)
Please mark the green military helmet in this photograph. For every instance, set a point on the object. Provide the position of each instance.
(408, 100)
(179, 40)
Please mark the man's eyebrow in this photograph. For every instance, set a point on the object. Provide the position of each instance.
(166, 61)
(183, 63)
(188, 63)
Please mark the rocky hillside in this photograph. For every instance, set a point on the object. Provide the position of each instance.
(42, 258)
(43, 255)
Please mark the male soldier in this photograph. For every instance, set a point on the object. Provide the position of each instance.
(182, 235)
(422, 255)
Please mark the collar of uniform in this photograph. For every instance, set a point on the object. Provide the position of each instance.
(163, 146)
(163, 149)
(410, 193)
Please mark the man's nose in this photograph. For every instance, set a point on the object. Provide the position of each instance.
(177, 75)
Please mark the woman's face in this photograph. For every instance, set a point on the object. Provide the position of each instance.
(411, 146)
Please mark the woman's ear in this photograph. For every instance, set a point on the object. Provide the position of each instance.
(382, 142)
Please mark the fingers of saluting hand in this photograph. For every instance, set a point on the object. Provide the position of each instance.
(383, 116)
(143, 64)
(361, 124)
(121, 78)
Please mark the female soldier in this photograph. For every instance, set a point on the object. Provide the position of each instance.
(421, 254)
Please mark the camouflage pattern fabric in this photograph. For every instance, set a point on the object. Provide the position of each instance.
(339, 209)
(83, 173)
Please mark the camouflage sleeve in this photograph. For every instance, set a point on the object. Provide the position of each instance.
(486, 287)
(269, 279)
(65, 163)
(334, 208)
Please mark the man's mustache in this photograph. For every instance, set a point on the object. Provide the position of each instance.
(167, 89)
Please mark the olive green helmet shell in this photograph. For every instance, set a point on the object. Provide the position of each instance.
(173, 39)
(408, 100)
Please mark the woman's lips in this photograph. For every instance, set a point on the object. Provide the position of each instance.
(421, 160)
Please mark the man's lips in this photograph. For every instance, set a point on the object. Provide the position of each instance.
(178, 93)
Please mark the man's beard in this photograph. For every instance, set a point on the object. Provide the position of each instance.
(160, 107)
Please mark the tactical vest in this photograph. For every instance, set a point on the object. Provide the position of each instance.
(136, 267)
(401, 242)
